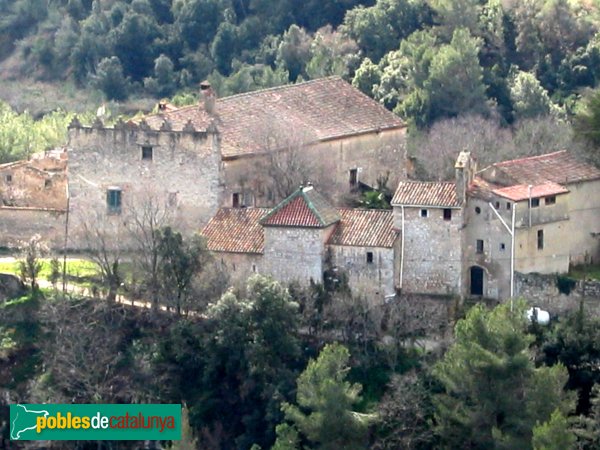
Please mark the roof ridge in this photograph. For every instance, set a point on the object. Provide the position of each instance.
(281, 87)
(281, 205)
(528, 158)
(312, 206)
(427, 182)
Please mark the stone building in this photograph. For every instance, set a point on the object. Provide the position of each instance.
(38, 182)
(305, 237)
(244, 150)
(270, 139)
(113, 169)
(33, 197)
(429, 218)
(457, 237)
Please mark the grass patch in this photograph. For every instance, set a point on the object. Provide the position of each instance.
(585, 272)
(78, 268)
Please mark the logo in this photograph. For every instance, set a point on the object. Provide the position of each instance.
(95, 422)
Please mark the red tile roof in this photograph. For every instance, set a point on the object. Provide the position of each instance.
(304, 208)
(559, 167)
(235, 230)
(521, 192)
(364, 228)
(422, 193)
(323, 109)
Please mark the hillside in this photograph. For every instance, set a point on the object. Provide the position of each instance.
(425, 59)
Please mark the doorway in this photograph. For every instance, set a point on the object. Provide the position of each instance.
(476, 280)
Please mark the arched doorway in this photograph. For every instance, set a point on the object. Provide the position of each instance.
(476, 280)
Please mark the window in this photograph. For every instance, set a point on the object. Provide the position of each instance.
(508, 206)
(253, 267)
(147, 153)
(479, 246)
(477, 210)
(47, 183)
(535, 202)
(447, 214)
(424, 213)
(540, 239)
(113, 200)
(9, 178)
(497, 205)
(248, 199)
(353, 177)
(502, 246)
(369, 257)
(550, 200)
(172, 199)
(235, 200)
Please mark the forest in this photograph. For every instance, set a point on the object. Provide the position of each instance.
(286, 367)
(522, 69)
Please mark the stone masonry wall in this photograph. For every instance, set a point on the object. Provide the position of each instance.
(432, 250)
(375, 280)
(543, 291)
(292, 253)
(20, 224)
(184, 170)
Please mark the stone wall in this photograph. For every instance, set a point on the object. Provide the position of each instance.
(183, 171)
(375, 279)
(40, 182)
(543, 291)
(432, 250)
(329, 163)
(295, 254)
(20, 224)
(239, 266)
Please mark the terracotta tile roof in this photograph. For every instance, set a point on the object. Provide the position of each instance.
(482, 189)
(323, 109)
(422, 193)
(304, 208)
(520, 192)
(559, 167)
(235, 230)
(364, 228)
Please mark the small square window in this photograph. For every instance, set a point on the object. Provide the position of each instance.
(424, 213)
(479, 246)
(369, 257)
(47, 183)
(447, 214)
(235, 200)
(477, 210)
(508, 206)
(550, 200)
(535, 202)
(502, 246)
(147, 153)
(8, 178)
(497, 205)
(113, 200)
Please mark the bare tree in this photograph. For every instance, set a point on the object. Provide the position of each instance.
(30, 263)
(285, 160)
(148, 214)
(87, 358)
(436, 150)
(106, 241)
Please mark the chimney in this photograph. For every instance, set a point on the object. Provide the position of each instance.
(465, 168)
(208, 96)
